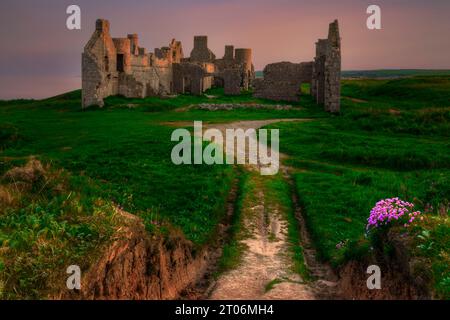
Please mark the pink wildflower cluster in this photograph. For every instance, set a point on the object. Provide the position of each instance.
(393, 209)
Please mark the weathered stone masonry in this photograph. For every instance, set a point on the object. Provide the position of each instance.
(326, 80)
(118, 66)
(282, 80)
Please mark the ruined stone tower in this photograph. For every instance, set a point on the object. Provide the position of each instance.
(326, 81)
(229, 53)
(244, 58)
(201, 52)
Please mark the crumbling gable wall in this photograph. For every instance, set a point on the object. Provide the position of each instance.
(332, 101)
(173, 53)
(326, 84)
(176, 51)
(318, 81)
(98, 62)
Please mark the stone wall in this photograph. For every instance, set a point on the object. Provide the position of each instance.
(123, 48)
(232, 81)
(99, 78)
(282, 80)
(200, 52)
(326, 83)
(190, 77)
(112, 66)
(333, 70)
(173, 53)
(235, 71)
(243, 57)
(318, 81)
(229, 53)
(281, 90)
(134, 43)
(176, 51)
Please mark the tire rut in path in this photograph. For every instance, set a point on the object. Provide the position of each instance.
(266, 267)
(266, 261)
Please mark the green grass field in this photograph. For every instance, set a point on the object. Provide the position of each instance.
(119, 155)
(393, 73)
(391, 139)
(385, 73)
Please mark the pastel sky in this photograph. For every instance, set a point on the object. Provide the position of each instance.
(39, 57)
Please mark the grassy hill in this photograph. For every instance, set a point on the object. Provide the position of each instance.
(391, 139)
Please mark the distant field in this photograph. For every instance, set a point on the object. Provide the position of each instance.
(392, 73)
(388, 73)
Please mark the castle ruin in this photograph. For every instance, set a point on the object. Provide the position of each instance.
(119, 66)
(282, 80)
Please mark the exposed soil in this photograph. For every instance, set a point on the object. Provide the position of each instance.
(325, 279)
(266, 264)
(265, 259)
(140, 266)
(402, 274)
(395, 284)
(137, 265)
(198, 290)
(266, 268)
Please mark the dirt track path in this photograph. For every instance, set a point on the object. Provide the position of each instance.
(266, 267)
